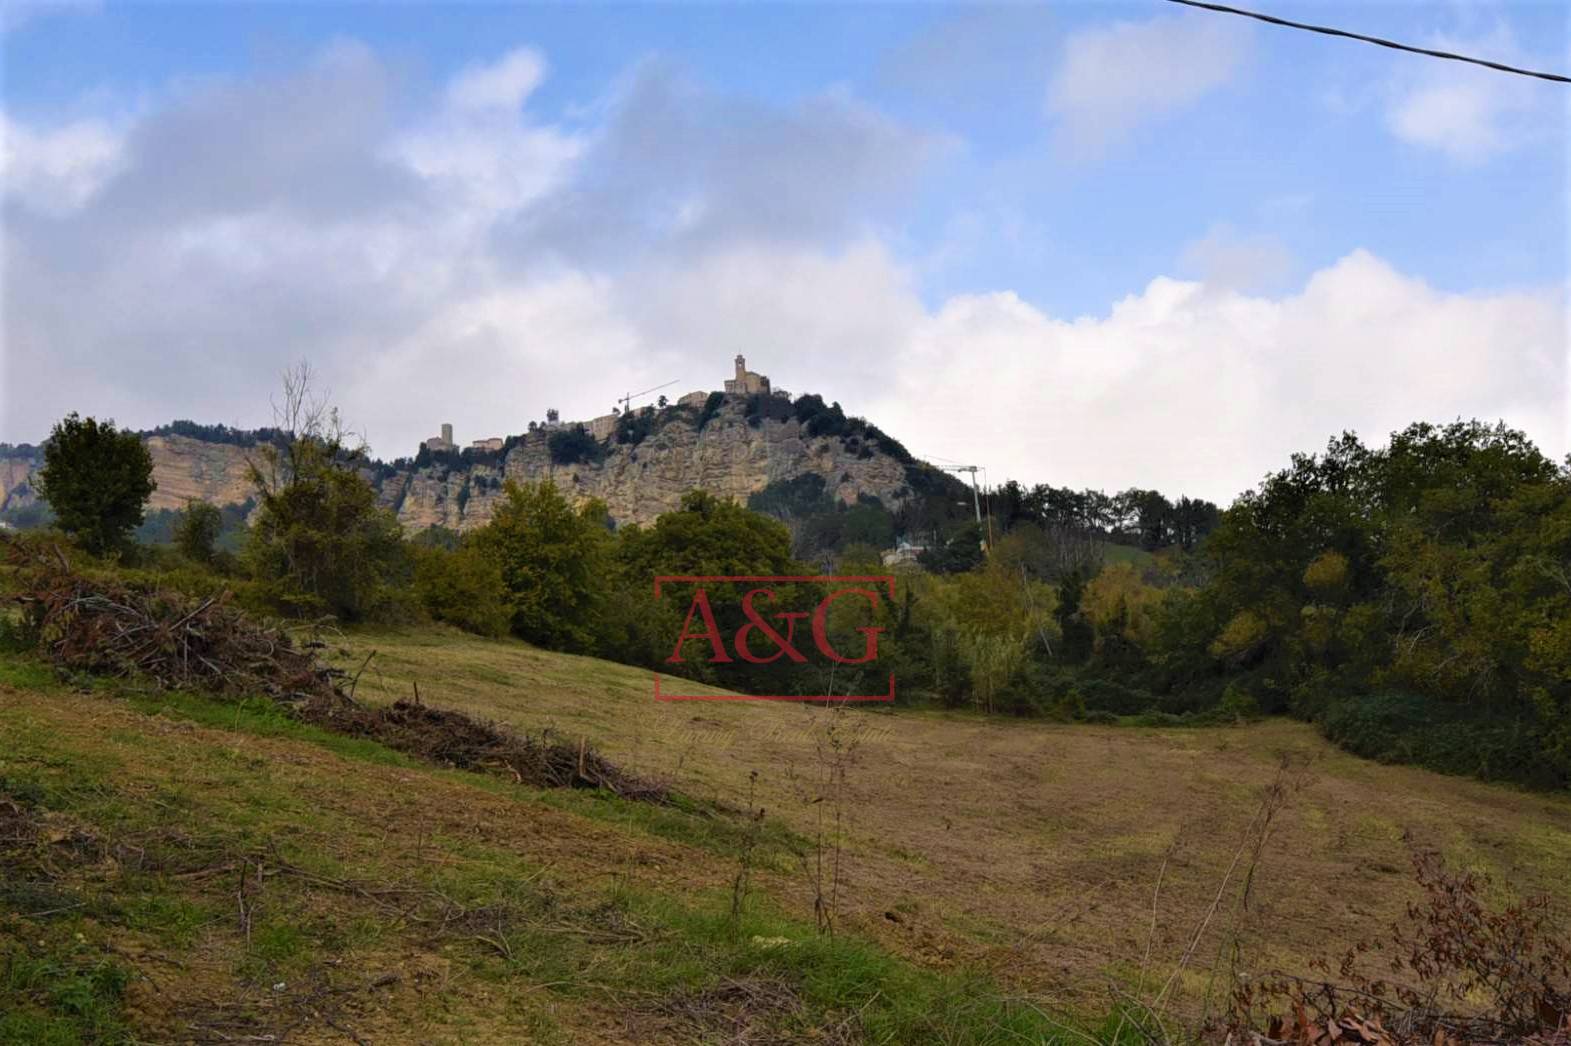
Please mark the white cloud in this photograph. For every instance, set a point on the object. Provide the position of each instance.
(1192, 391)
(481, 148)
(1470, 114)
(503, 84)
(1113, 79)
(57, 169)
(245, 227)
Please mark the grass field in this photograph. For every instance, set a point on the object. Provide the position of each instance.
(1028, 848)
(175, 868)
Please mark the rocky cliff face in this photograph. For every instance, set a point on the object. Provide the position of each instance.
(187, 469)
(729, 458)
(183, 468)
(17, 466)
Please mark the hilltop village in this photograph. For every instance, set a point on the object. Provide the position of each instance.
(744, 383)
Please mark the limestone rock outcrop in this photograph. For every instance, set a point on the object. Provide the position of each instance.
(731, 456)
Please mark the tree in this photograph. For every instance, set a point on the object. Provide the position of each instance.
(97, 480)
(709, 537)
(961, 552)
(197, 530)
(1078, 635)
(320, 538)
(464, 587)
(553, 560)
(706, 537)
(574, 446)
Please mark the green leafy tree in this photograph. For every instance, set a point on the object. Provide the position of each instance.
(961, 552)
(706, 537)
(553, 560)
(463, 587)
(97, 480)
(197, 530)
(1077, 635)
(320, 541)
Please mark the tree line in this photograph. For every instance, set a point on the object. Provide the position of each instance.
(1412, 599)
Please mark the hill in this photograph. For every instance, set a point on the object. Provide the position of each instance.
(732, 445)
(186, 869)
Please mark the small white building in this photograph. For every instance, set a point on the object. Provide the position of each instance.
(903, 554)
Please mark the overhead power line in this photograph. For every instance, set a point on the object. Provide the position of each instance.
(1377, 41)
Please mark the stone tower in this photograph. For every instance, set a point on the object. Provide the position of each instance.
(746, 382)
(447, 433)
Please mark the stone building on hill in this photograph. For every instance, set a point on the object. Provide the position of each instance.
(746, 382)
(444, 441)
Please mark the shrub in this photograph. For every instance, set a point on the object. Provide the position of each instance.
(574, 446)
(464, 588)
(1113, 698)
(1237, 704)
(711, 408)
(634, 427)
(766, 406)
(1405, 728)
(197, 530)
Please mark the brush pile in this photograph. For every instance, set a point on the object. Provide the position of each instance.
(87, 623)
(97, 625)
(454, 739)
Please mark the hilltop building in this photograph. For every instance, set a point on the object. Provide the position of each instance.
(444, 441)
(746, 382)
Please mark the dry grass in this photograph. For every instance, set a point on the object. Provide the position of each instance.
(382, 942)
(1035, 849)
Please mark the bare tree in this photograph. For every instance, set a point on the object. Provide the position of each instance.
(311, 433)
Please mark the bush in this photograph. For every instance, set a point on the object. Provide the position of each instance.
(818, 419)
(711, 408)
(766, 406)
(463, 588)
(574, 446)
(634, 427)
(1113, 698)
(1405, 728)
(197, 531)
(1237, 704)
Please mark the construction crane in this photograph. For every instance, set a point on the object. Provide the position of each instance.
(976, 500)
(627, 400)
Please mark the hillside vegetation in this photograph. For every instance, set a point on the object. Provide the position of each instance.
(183, 868)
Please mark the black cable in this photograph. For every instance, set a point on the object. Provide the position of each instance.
(1377, 41)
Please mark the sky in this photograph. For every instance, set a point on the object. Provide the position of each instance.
(1088, 244)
